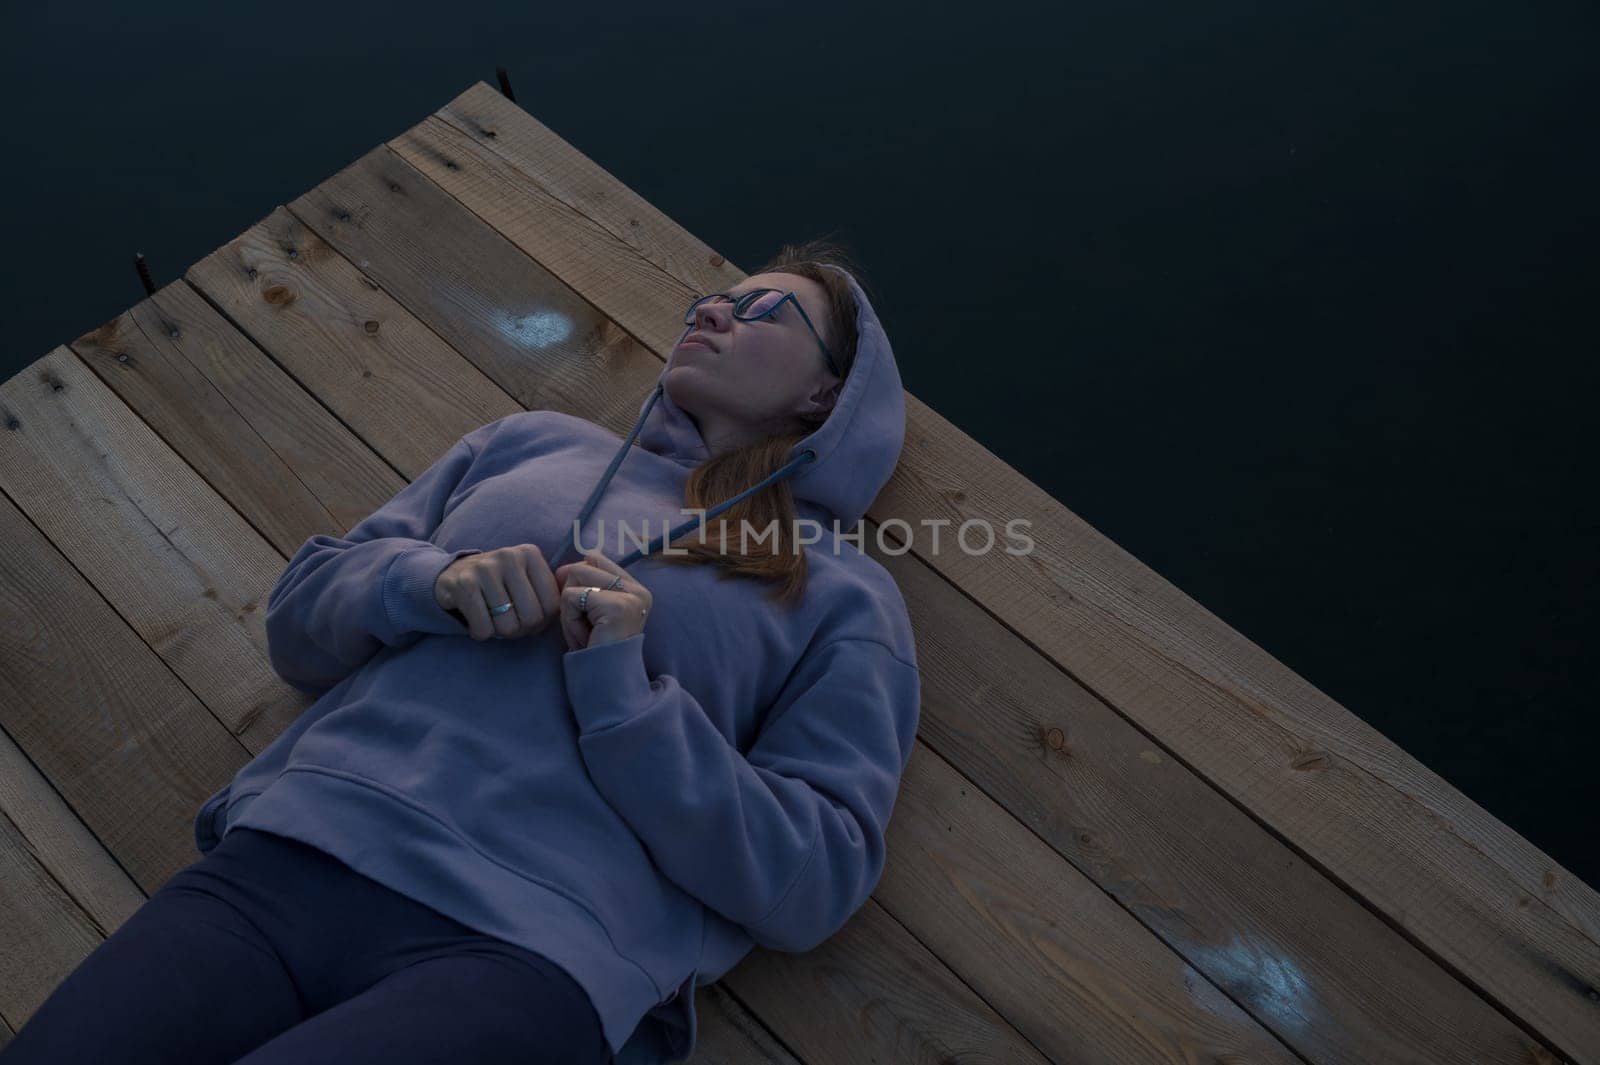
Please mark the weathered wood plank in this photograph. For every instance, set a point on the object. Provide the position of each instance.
(731, 1034)
(348, 345)
(123, 740)
(93, 478)
(1475, 896)
(873, 994)
(220, 401)
(61, 844)
(60, 892)
(522, 326)
(456, 252)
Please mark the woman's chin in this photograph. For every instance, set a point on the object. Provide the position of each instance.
(689, 386)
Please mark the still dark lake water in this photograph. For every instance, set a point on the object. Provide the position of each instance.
(1295, 302)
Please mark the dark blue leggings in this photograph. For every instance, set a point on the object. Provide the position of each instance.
(268, 951)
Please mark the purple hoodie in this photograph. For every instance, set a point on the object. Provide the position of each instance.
(640, 812)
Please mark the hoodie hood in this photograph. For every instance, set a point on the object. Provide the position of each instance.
(834, 472)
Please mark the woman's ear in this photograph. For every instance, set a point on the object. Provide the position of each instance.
(822, 399)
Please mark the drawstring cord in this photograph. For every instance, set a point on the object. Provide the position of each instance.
(807, 455)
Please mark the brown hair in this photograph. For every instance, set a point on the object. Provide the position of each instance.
(776, 560)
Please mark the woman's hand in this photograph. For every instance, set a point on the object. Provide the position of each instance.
(518, 575)
(613, 613)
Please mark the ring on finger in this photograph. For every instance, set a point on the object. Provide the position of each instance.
(583, 596)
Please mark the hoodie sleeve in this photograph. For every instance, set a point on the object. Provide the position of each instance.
(341, 599)
(787, 841)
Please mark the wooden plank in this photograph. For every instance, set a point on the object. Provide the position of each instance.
(873, 994)
(216, 397)
(631, 372)
(126, 744)
(89, 474)
(1476, 897)
(348, 345)
(61, 894)
(731, 1034)
(521, 325)
(61, 844)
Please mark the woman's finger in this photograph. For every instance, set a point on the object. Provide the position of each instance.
(544, 584)
(492, 590)
(472, 607)
(525, 604)
(575, 621)
(583, 574)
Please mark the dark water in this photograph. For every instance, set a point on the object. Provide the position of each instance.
(1297, 303)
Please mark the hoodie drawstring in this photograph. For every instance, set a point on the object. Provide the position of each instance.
(787, 470)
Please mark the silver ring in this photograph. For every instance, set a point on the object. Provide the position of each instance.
(496, 611)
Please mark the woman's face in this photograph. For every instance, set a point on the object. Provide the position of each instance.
(755, 378)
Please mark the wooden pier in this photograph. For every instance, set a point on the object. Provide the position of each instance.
(1127, 834)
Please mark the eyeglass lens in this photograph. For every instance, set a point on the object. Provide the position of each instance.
(750, 305)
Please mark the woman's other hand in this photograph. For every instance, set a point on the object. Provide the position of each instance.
(518, 575)
(613, 613)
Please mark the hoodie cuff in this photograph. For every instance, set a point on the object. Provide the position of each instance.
(408, 591)
(607, 684)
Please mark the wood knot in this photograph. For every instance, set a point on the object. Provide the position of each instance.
(278, 294)
(716, 260)
(370, 325)
(1055, 739)
(1309, 761)
(1549, 879)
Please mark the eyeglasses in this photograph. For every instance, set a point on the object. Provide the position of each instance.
(763, 303)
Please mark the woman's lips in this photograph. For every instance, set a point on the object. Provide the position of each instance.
(695, 344)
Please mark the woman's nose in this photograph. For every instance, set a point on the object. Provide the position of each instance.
(708, 312)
